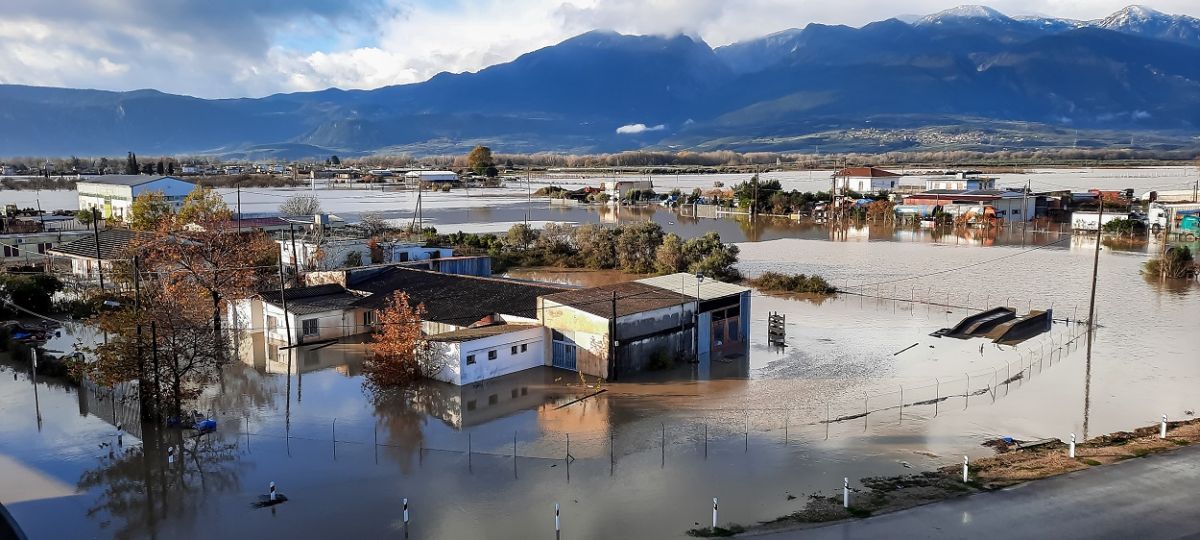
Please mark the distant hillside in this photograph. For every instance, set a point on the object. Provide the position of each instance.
(1137, 71)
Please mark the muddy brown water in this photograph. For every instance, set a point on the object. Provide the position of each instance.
(762, 414)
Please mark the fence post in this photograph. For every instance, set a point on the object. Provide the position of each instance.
(557, 527)
(714, 525)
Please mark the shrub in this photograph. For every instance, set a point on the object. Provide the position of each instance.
(797, 283)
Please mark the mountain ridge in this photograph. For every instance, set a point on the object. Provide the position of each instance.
(1134, 70)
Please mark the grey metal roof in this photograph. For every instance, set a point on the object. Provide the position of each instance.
(629, 298)
(114, 244)
(471, 334)
(686, 283)
(315, 299)
(449, 298)
(127, 179)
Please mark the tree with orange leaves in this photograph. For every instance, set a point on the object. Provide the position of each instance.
(400, 354)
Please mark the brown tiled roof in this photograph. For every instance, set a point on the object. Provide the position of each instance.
(631, 297)
(865, 172)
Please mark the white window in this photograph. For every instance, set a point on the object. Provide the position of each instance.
(524, 347)
(309, 326)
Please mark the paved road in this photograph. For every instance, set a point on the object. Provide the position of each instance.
(1148, 498)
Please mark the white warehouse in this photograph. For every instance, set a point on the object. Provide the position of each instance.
(113, 194)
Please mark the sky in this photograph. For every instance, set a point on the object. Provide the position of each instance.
(250, 48)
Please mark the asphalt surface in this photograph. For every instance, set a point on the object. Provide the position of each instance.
(1146, 498)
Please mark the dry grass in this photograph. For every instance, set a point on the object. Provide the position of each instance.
(1008, 467)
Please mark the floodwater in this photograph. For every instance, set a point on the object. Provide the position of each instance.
(649, 453)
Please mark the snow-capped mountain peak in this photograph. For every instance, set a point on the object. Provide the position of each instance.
(1133, 15)
(964, 12)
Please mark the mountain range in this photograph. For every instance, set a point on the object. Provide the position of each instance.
(968, 77)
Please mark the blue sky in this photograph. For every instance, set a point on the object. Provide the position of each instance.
(233, 48)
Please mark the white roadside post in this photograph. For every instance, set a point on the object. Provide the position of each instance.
(557, 524)
(1071, 450)
(271, 492)
(1162, 430)
(406, 512)
(845, 493)
(964, 469)
(714, 513)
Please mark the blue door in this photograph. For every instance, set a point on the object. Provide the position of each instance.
(563, 355)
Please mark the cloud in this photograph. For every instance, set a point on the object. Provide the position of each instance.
(228, 48)
(634, 129)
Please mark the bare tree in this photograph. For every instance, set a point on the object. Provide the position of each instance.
(300, 205)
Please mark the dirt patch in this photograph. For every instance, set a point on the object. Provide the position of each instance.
(1011, 465)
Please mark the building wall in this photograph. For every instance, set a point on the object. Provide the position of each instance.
(30, 248)
(456, 370)
(330, 325)
(588, 331)
(115, 200)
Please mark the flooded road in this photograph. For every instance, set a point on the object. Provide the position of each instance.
(648, 454)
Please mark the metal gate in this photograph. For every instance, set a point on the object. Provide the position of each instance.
(563, 355)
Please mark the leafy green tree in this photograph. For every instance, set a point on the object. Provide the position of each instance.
(148, 211)
(636, 246)
(597, 246)
(30, 291)
(668, 258)
(84, 216)
(203, 205)
(520, 235)
(709, 256)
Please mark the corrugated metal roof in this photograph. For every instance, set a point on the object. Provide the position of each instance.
(114, 244)
(314, 299)
(127, 179)
(471, 334)
(686, 283)
(631, 297)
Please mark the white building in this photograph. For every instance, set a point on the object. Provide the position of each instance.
(865, 180)
(961, 181)
(334, 253)
(113, 194)
(475, 354)
(431, 177)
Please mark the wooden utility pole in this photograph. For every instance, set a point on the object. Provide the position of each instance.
(287, 323)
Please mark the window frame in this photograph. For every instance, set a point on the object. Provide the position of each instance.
(304, 323)
(492, 354)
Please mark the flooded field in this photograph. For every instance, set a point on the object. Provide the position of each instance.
(861, 389)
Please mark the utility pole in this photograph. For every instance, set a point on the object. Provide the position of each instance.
(295, 254)
(287, 323)
(239, 206)
(1087, 387)
(612, 337)
(1024, 207)
(96, 236)
(154, 357)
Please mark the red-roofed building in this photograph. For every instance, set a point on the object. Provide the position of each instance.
(865, 179)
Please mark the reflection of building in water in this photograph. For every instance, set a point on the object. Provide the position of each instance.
(271, 356)
(485, 401)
